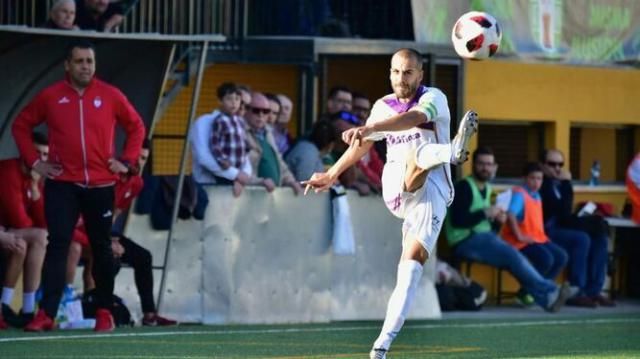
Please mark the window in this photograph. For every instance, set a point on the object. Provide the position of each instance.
(611, 146)
(513, 143)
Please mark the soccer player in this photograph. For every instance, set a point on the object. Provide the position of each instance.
(416, 182)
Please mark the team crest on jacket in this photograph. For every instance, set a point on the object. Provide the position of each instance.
(97, 102)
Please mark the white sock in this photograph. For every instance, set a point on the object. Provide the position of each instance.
(430, 155)
(409, 274)
(28, 302)
(7, 295)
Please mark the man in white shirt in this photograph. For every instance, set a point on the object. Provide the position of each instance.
(416, 182)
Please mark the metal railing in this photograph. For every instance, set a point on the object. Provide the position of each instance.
(187, 17)
(181, 17)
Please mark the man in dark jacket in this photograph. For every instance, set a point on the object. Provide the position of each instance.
(584, 238)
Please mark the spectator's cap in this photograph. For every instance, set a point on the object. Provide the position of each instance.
(346, 116)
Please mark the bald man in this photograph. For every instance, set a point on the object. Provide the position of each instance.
(414, 119)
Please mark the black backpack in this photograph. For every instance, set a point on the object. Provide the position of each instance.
(471, 297)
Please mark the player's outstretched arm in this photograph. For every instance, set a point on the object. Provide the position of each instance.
(322, 181)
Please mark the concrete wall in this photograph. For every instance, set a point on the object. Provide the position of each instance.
(267, 258)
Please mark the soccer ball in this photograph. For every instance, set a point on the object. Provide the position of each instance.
(476, 35)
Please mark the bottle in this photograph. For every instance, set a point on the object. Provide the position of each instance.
(595, 173)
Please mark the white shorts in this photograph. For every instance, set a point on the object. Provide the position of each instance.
(424, 215)
(423, 211)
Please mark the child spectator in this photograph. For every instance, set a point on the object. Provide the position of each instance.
(525, 226)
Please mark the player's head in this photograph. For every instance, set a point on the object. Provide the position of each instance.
(406, 73)
(533, 176)
(41, 143)
(484, 164)
(230, 98)
(80, 63)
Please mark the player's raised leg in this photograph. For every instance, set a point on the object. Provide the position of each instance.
(430, 155)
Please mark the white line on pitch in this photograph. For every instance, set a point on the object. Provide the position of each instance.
(321, 329)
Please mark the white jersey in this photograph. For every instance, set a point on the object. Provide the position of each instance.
(402, 144)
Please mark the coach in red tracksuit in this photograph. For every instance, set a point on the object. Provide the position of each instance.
(81, 113)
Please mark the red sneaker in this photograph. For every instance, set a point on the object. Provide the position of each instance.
(3, 324)
(40, 323)
(104, 321)
(156, 320)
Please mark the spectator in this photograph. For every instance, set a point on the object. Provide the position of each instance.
(280, 129)
(525, 227)
(21, 211)
(361, 106)
(218, 143)
(370, 165)
(81, 172)
(245, 99)
(352, 177)
(101, 15)
(305, 157)
(584, 238)
(62, 15)
(274, 104)
(129, 252)
(362, 109)
(266, 161)
(633, 187)
(340, 99)
(469, 232)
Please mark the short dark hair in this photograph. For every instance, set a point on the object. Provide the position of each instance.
(335, 89)
(227, 88)
(482, 150)
(273, 97)
(323, 133)
(413, 53)
(79, 44)
(531, 167)
(40, 138)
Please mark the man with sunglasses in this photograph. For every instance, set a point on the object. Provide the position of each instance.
(583, 237)
(267, 164)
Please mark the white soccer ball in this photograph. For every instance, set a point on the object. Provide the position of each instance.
(476, 35)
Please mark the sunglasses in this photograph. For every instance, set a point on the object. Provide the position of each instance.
(257, 110)
(555, 164)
